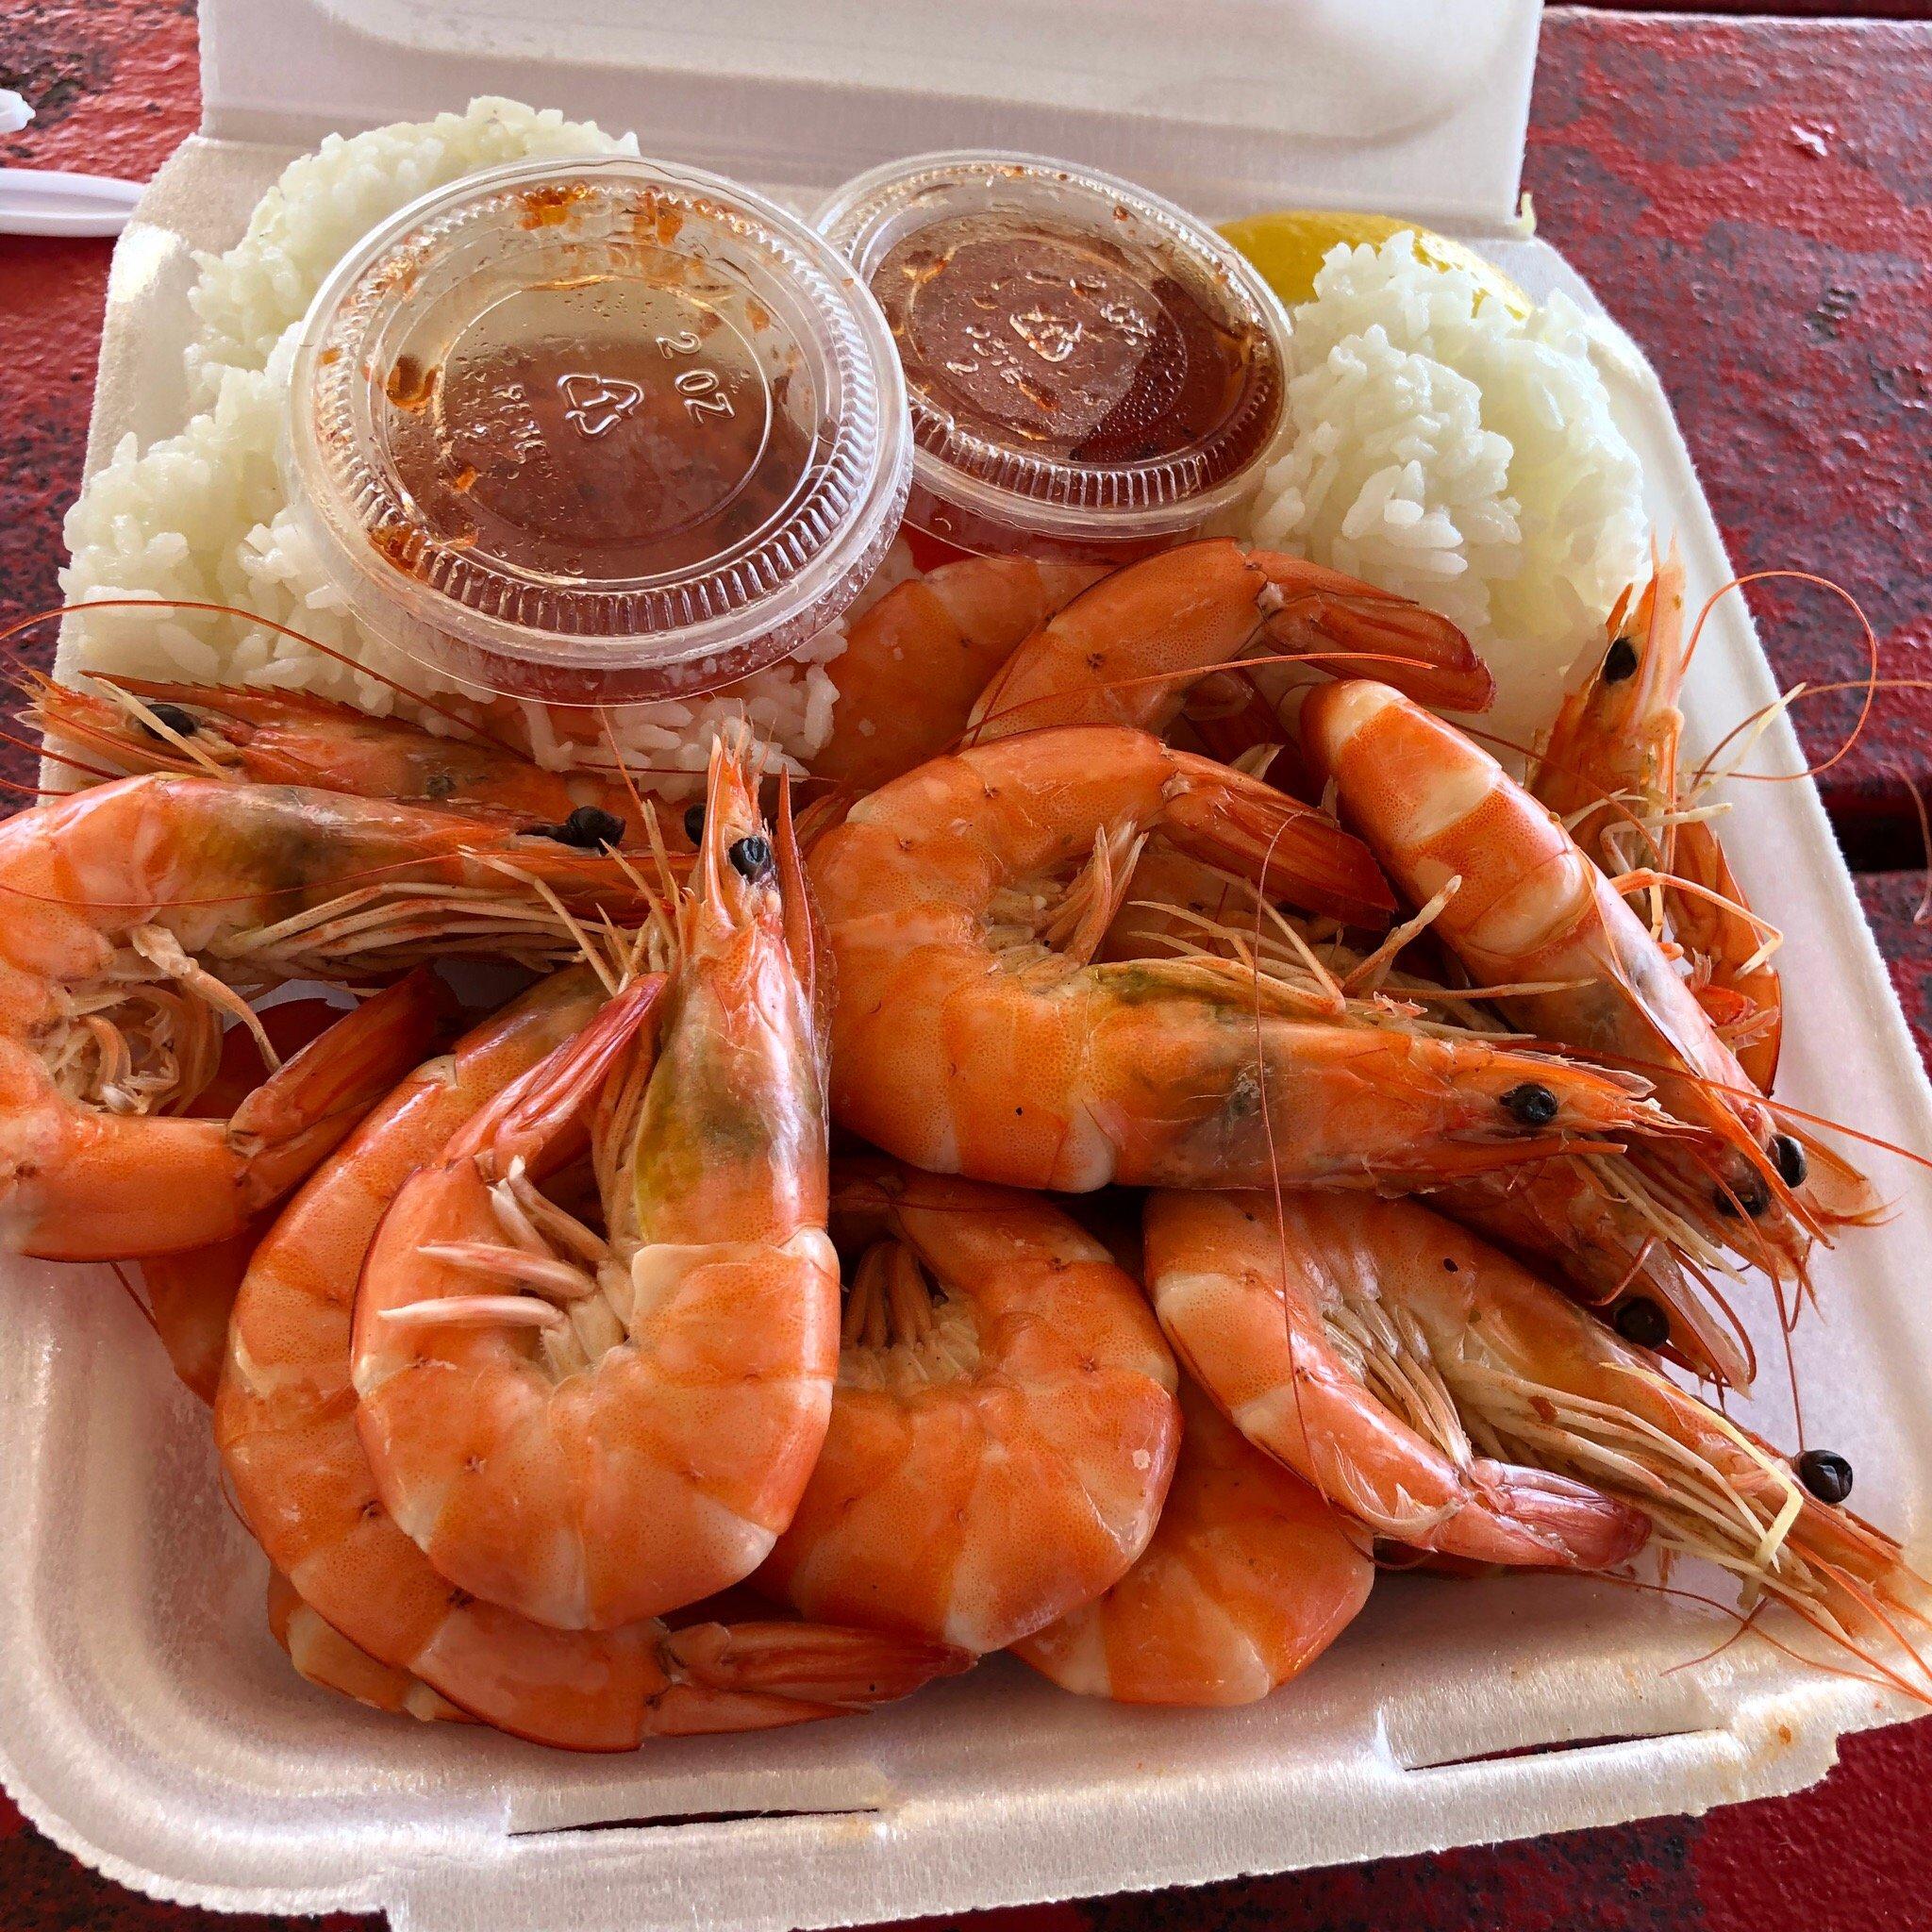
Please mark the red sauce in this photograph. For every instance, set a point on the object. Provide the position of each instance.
(615, 426)
(1057, 341)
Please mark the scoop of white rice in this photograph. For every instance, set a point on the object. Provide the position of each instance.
(1450, 451)
(202, 515)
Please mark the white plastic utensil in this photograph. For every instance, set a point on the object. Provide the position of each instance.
(36, 201)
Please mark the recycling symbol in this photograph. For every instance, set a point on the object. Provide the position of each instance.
(597, 404)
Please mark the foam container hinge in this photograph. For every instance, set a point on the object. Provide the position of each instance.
(147, 1721)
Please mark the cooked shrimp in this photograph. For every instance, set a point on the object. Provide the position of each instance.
(1446, 1397)
(188, 1297)
(190, 1293)
(1005, 1424)
(975, 1033)
(323, 1656)
(1249, 1578)
(285, 1422)
(1592, 1219)
(133, 910)
(914, 662)
(1610, 771)
(1116, 655)
(295, 738)
(1306, 1357)
(1532, 909)
(590, 1428)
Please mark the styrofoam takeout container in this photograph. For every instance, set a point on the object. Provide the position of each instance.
(146, 1721)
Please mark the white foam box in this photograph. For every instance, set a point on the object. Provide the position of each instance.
(146, 1721)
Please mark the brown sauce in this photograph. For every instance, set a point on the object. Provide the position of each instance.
(1056, 340)
(614, 427)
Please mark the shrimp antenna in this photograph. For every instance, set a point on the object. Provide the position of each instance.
(1870, 685)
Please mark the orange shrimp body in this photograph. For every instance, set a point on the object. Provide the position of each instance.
(967, 1040)
(1001, 1441)
(1446, 1396)
(1742, 991)
(1119, 652)
(1249, 1578)
(133, 907)
(295, 738)
(322, 1655)
(1275, 1303)
(81, 1183)
(1611, 771)
(285, 1422)
(632, 1434)
(915, 661)
(1532, 908)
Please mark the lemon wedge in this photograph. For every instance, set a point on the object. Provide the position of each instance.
(1287, 245)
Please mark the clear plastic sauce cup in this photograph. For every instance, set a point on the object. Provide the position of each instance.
(597, 431)
(1091, 372)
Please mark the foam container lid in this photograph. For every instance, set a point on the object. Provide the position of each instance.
(147, 1721)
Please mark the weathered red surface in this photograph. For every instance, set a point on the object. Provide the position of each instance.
(116, 89)
(1751, 201)
(1783, 9)
(1754, 202)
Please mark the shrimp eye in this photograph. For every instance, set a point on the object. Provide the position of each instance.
(1532, 1103)
(1619, 661)
(177, 721)
(1825, 1474)
(1751, 1194)
(589, 828)
(751, 857)
(694, 823)
(1640, 1319)
(1792, 1164)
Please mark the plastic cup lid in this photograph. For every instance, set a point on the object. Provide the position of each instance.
(597, 430)
(1082, 358)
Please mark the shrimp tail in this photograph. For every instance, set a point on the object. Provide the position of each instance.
(299, 1113)
(545, 1119)
(1319, 612)
(1288, 850)
(190, 1294)
(322, 1655)
(816, 1669)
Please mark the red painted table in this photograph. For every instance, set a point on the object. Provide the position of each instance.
(1753, 199)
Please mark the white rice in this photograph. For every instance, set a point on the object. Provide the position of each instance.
(202, 515)
(1449, 451)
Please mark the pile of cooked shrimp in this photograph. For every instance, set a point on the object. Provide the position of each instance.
(1168, 1128)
